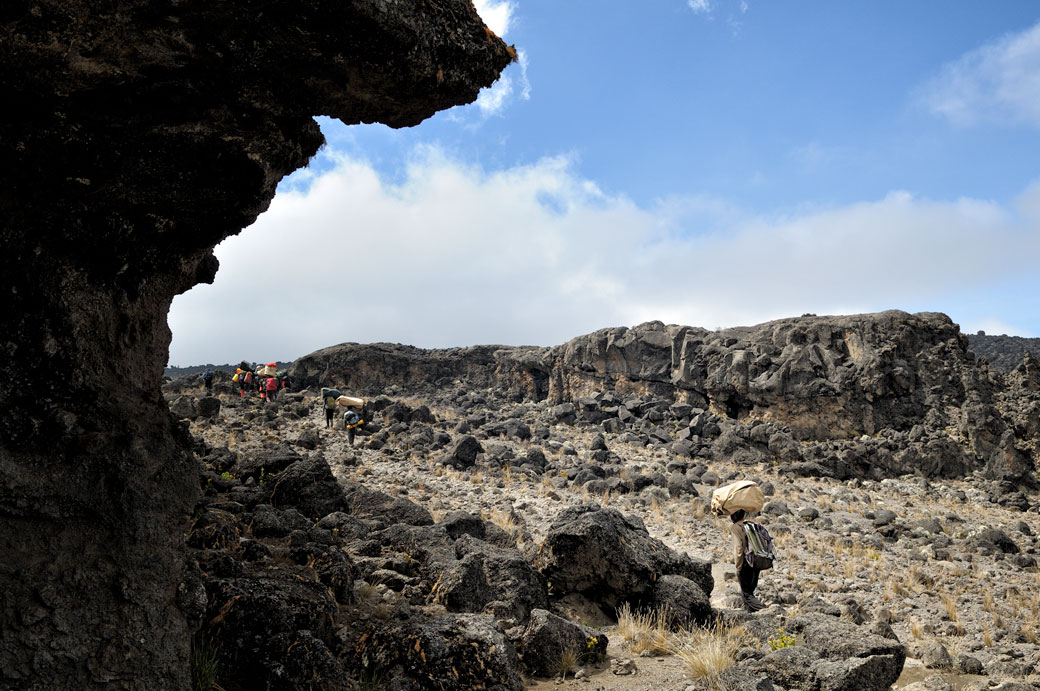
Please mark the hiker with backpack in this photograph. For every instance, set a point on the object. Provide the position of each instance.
(748, 567)
(240, 379)
(272, 387)
(207, 380)
(753, 546)
(351, 422)
(329, 402)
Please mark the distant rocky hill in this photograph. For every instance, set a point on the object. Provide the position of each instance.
(1003, 352)
(865, 395)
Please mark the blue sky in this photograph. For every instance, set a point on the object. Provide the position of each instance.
(703, 162)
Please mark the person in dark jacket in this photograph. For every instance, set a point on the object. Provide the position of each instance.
(747, 575)
(329, 403)
(351, 422)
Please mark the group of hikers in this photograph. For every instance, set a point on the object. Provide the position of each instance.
(265, 380)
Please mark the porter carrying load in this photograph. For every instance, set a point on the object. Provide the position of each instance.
(743, 494)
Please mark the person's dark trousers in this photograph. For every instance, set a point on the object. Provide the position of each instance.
(748, 579)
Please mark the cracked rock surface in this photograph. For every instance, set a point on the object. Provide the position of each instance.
(137, 136)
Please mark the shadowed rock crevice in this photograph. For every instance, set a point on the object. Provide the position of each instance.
(138, 135)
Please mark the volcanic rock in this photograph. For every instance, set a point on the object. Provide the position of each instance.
(611, 559)
(138, 136)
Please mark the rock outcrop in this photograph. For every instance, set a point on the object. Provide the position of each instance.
(137, 136)
(611, 560)
(870, 395)
(1003, 352)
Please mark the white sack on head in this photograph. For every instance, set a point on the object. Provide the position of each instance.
(742, 494)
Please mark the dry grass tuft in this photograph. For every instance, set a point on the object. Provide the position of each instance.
(950, 604)
(916, 629)
(644, 631)
(565, 663)
(707, 653)
(506, 520)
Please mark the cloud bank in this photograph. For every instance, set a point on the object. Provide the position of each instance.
(997, 83)
(457, 255)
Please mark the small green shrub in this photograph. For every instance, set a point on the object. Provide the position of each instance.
(781, 640)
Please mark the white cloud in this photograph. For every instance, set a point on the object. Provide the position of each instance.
(999, 82)
(497, 14)
(458, 255)
(700, 6)
(494, 99)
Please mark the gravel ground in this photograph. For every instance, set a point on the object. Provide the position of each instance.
(926, 567)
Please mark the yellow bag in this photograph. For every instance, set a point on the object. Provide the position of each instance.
(742, 494)
(235, 378)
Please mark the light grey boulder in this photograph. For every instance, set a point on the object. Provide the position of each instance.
(935, 656)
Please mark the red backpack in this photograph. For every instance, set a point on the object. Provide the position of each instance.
(272, 384)
(248, 378)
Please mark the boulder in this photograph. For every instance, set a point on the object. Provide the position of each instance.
(308, 439)
(363, 502)
(932, 683)
(994, 540)
(214, 529)
(485, 578)
(459, 523)
(255, 608)
(827, 653)
(208, 407)
(564, 413)
(685, 601)
(309, 486)
(935, 656)
(462, 452)
(789, 667)
(611, 558)
(184, 407)
(453, 651)
(546, 637)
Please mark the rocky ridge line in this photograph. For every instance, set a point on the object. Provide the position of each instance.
(865, 395)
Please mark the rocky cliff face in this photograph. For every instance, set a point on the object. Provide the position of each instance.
(137, 135)
(867, 394)
(1003, 352)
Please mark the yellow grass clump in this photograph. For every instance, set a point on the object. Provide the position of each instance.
(644, 631)
(707, 653)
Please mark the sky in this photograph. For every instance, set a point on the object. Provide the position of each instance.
(711, 163)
